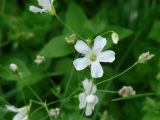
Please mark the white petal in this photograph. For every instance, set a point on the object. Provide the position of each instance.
(35, 9)
(88, 110)
(87, 86)
(99, 43)
(12, 108)
(81, 63)
(95, 102)
(46, 4)
(96, 70)
(82, 47)
(107, 56)
(94, 89)
(82, 100)
(19, 116)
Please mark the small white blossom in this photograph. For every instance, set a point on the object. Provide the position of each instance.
(126, 91)
(47, 6)
(115, 37)
(54, 112)
(39, 59)
(88, 98)
(93, 56)
(144, 57)
(13, 67)
(22, 113)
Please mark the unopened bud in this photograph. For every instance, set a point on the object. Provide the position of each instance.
(115, 37)
(54, 112)
(144, 57)
(126, 91)
(13, 67)
(71, 39)
(39, 59)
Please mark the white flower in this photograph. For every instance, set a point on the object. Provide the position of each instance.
(144, 57)
(115, 38)
(13, 67)
(88, 98)
(39, 59)
(22, 113)
(47, 6)
(54, 112)
(126, 91)
(93, 56)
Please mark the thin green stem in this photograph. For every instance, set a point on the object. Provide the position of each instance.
(118, 74)
(106, 33)
(68, 26)
(107, 91)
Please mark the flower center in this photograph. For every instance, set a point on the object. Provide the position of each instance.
(90, 99)
(93, 57)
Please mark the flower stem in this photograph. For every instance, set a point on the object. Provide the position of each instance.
(107, 91)
(107, 32)
(118, 74)
(60, 20)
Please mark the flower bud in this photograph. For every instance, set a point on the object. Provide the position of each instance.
(13, 67)
(126, 91)
(54, 112)
(115, 37)
(71, 39)
(144, 57)
(39, 59)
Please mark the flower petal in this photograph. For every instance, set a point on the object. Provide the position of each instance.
(96, 70)
(88, 110)
(35, 9)
(81, 63)
(87, 86)
(82, 47)
(95, 102)
(107, 56)
(94, 89)
(46, 4)
(19, 116)
(12, 108)
(99, 43)
(82, 100)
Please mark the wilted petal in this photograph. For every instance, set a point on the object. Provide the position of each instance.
(46, 4)
(12, 108)
(19, 116)
(96, 70)
(82, 47)
(107, 56)
(88, 110)
(81, 63)
(99, 43)
(87, 86)
(94, 89)
(35, 9)
(82, 100)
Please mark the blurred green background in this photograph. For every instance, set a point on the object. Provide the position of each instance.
(24, 34)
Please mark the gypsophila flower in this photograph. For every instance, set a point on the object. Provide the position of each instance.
(54, 112)
(13, 67)
(144, 57)
(88, 99)
(93, 56)
(126, 91)
(115, 37)
(39, 59)
(22, 113)
(71, 39)
(47, 6)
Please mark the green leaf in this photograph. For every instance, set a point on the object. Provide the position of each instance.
(56, 47)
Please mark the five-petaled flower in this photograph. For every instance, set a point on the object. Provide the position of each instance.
(88, 98)
(47, 6)
(22, 113)
(93, 56)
